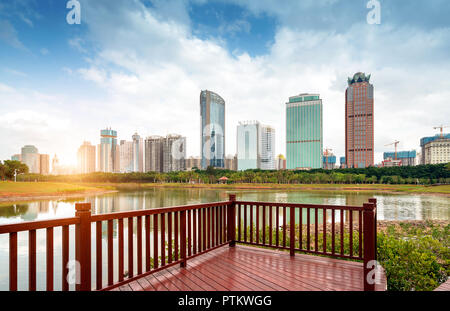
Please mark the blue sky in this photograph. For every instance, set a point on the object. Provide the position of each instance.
(140, 65)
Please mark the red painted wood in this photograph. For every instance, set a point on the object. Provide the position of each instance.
(224, 224)
(130, 248)
(110, 253)
(251, 223)
(208, 229)
(32, 260)
(284, 226)
(332, 232)
(13, 261)
(49, 258)
(351, 232)
(300, 231)
(264, 224)
(183, 238)
(239, 223)
(147, 244)
(257, 224)
(308, 229)
(341, 212)
(163, 239)
(189, 235)
(324, 230)
(120, 248)
(277, 226)
(194, 232)
(155, 242)
(169, 237)
(316, 229)
(83, 245)
(245, 223)
(65, 258)
(176, 235)
(98, 255)
(360, 227)
(204, 229)
(139, 244)
(292, 230)
(199, 231)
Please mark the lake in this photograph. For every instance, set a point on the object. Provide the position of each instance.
(390, 207)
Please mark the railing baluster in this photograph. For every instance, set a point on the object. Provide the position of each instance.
(120, 249)
(316, 225)
(13, 261)
(264, 224)
(130, 248)
(169, 237)
(183, 238)
(300, 230)
(270, 223)
(176, 235)
(98, 254)
(308, 229)
(251, 223)
(208, 232)
(32, 260)
(65, 258)
(341, 214)
(239, 222)
(245, 223)
(257, 224)
(216, 226)
(49, 258)
(224, 226)
(360, 250)
(277, 226)
(189, 232)
(351, 232)
(163, 240)
(332, 232)
(199, 231)
(110, 253)
(155, 242)
(324, 230)
(139, 245)
(284, 226)
(194, 231)
(147, 243)
(204, 228)
(292, 231)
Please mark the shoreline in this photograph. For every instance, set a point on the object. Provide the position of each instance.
(108, 188)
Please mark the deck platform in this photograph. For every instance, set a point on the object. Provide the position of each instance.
(244, 268)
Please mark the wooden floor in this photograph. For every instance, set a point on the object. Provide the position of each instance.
(445, 287)
(243, 268)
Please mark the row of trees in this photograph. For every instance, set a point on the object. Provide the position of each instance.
(424, 174)
(7, 169)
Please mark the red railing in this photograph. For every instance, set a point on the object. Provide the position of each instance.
(165, 237)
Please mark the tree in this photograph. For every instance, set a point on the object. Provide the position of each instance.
(11, 166)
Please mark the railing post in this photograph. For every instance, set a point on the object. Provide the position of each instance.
(292, 231)
(374, 202)
(231, 221)
(183, 239)
(369, 245)
(83, 246)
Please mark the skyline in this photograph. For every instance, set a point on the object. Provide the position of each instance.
(60, 83)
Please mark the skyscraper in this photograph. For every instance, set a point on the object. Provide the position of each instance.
(108, 152)
(255, 146)
(174, 153)
(212, 131)
(30, 156)
(132, 155)
(138, 153)
(304, 132)
(86, 158)
(359, 116)
(153, 154)
(44, 164)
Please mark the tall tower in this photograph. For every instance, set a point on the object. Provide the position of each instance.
(304, 132)
(108, 152)
(138, 153)
(212, 130)
(86, 158)
(359, 126)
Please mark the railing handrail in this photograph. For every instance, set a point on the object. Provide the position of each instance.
(320, 206)
(38, 224)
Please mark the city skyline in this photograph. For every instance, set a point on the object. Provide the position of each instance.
(68, 85)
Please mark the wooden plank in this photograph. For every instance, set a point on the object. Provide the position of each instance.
(300, 231)
(139, 244)
(341, 214)
(245, 223)
(332, 232)
(189, 233)
(110, 253)
(98, 255)
(65, 258)
(251, 223)
(13, 261)
(194, 231)
(277, 226)
(176, 215)
(257, 224)
(163, 239)
(239, 222)
(324, 230)
(147, 244)
(155, 242)
(264, 224)
(316, 230)
(185, 279)
(32, 260)
(351, 232)
(284, 226)
(308, 229)
(120, 250)
(169, 237)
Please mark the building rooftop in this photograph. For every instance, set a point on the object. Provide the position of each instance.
(359, 77)
(305, 97)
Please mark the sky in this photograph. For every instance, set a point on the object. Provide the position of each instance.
(139, 66)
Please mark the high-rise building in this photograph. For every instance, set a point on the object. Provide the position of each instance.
(281, 162)
(304, 132)
(343, 162)
(255, 146)
(212, 131)
(30, 157)
(193, 162)
(86, 158)
(406, 158)
(174, 153)
(126, 156)
(153, 154)
(16, 157)
(329, 161)
(108, 152)
(55, 165)
(138, 153)
(359, 122)
(231, 162)
(44, 164)
(435, 153)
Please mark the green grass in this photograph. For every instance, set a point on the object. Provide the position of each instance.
(11, 189)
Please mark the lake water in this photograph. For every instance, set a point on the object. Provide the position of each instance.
(390, 207)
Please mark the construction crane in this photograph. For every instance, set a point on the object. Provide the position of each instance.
(441, 128)
(326, 153)
(396, 144)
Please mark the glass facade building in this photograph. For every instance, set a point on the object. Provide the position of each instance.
(212, 135)
(304, 132)
(108, 152)
(255, 146)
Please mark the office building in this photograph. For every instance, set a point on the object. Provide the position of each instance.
(108, 155)
(342, 162)
(435, 149)
(255, 146)
(86, 158)
(406, 158)
(153, 154)
(304, 132)
(126, 156)
(30, 156)
(281, 162)
(44, 164)
(193, 163)
(174, 153)
(212, 131)
(329, 161)
(138, 153)
(231, 162)
(359, 122)
(16, 157)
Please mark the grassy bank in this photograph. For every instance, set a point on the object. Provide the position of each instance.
(442, 189)
(35, 189)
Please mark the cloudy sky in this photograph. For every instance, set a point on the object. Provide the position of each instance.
(140, 65)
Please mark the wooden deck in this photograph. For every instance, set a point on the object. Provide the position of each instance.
(445, 287)
(243, 268)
